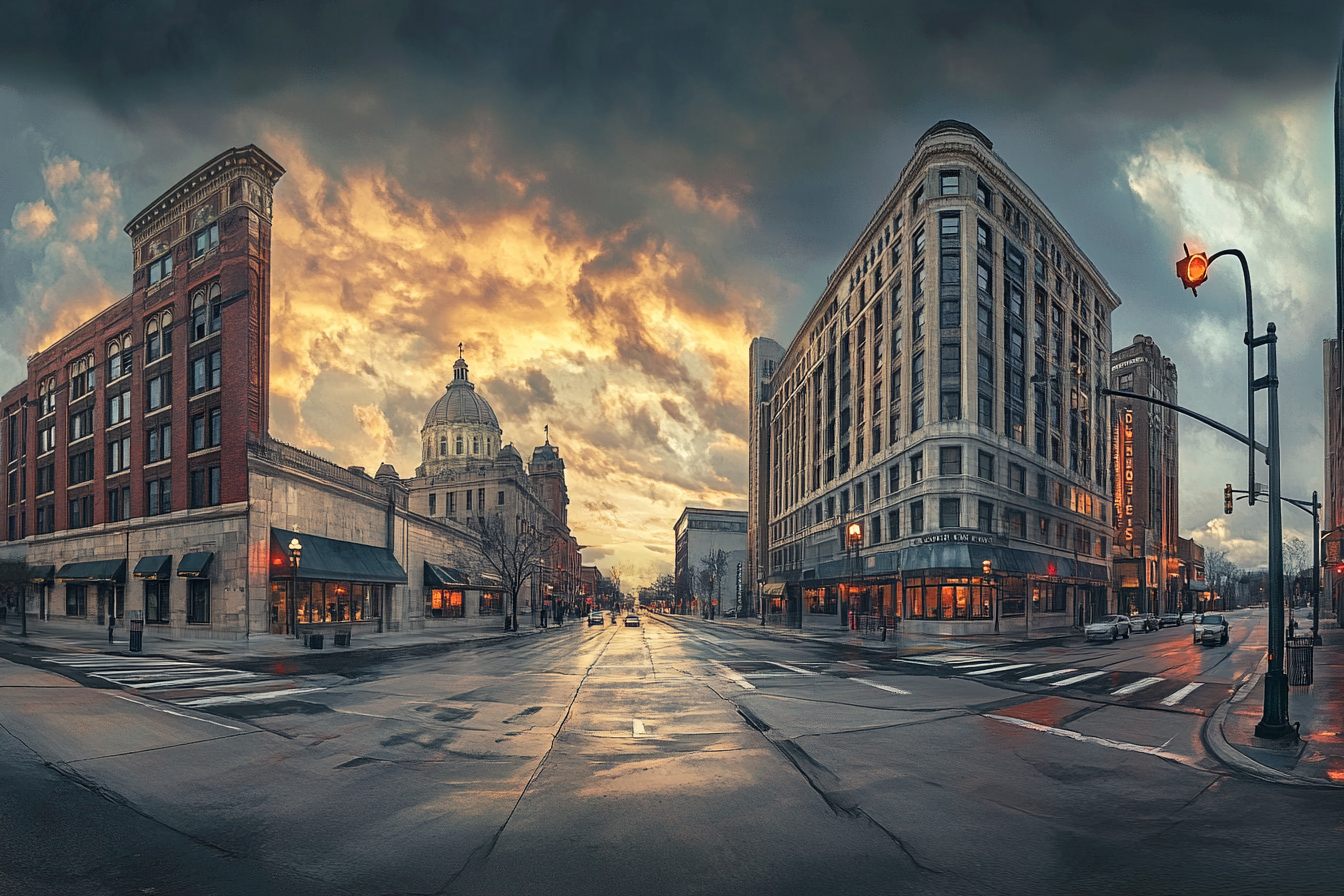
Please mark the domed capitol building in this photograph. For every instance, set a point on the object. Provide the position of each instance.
(142, 481)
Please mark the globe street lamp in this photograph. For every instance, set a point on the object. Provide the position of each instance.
(1193, 270)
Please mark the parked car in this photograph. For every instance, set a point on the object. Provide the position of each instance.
(1167, 619)
(1212, 628)
(632, 619)
(1189, 616)
(1108, 627)
(596, 618)
(1144, 622)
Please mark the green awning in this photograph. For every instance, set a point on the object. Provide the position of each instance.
(195, 566)
(443, 576)
(41, 575)
(329, 560)
(159, 566)
(93, 571)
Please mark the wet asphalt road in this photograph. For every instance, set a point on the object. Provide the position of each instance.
(678, 757)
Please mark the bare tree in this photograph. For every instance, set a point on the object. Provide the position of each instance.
(1220, 572)
(715, 567)
(1294, 556)
(514, 551)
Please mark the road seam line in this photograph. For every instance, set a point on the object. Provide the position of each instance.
(172, 713)
(1096, 741)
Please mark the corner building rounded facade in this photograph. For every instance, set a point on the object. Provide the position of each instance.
(945, 394)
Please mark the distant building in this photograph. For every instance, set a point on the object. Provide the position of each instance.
(944, 396)
(765, 357)
(701, 533)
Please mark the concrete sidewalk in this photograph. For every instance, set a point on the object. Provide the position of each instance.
(65, 638)
(1314, 759)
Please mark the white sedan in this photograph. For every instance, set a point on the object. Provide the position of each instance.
(1108, 628)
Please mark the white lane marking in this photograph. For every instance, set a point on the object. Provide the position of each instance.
(994, 669)
(955, 658)
(920, 662)
(1098, 741)
(114, 661)
(708, 639)
(734, 677)
(186, 682)
(248, 698)
(960, 666)
(142, 674)
(1245, 690)
(1181, 694)
(171, 713)
(637, 728)
(881, 687)
(1077, 678)
(1135, 687)
(1048, 674)
(797, 669)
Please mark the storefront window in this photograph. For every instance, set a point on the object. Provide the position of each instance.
(492, 603)
(821, 601)
(443, 604)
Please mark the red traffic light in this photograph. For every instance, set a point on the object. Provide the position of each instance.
(1192, 269)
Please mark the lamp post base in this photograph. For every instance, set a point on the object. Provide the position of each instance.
(1274, 724)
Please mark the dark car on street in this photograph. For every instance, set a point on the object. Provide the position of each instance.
(1167, 619)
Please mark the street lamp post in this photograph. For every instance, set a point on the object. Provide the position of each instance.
(1193, 270)
(295, 557)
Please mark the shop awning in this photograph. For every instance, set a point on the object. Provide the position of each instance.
(156, 567)
(195, 566)
(774, 589)
(329, 560)
(443, 576)
(93, 571)
(41, 575)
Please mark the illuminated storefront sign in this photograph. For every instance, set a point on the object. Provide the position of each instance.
(1124, 480)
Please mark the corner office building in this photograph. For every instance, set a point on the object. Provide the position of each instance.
(945, 394)
(137, 448)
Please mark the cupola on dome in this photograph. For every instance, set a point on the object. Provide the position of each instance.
(460, 403)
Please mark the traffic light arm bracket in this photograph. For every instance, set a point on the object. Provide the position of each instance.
(1207, 421)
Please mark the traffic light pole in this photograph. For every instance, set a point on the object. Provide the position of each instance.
(1193, 270)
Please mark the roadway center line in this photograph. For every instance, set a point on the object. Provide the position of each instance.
(881, 687)
(1098, 741)
(993, 669)
(1181, 694)
(1077, 678)
(1136, 686)
(1048, 674)
(797, 669)
(171, 713)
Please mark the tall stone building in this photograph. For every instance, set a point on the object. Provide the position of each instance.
(1147, 482)
(943, 396)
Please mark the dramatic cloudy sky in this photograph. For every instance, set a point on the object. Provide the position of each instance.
(606, 201)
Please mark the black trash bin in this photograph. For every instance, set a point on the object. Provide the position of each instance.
(315, 641)
(137, 631)
(1300, 660)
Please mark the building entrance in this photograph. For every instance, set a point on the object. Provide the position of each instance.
(280, 608)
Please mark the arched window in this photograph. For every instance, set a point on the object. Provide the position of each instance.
(475, 444)
(216, 308)
(443, 446)
(198, 317)
(153, 343)
(459, 444)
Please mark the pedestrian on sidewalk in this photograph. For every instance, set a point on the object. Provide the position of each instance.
(111, 622)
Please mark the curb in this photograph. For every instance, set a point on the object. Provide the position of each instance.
(1216, 741)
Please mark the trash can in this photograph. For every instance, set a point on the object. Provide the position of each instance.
(137, 630)
(342, 639)
(1300, 660)
(315, 641)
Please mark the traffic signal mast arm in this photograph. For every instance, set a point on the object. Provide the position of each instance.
(1207, 421)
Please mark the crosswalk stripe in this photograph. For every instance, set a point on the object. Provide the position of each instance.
(1180, 695)
(797, 669)
(1136, 686)
(1076, 679)
(965, 665)
(994, 669)
(1048, 674)
(247, 698)
(734, 677)
(881, 687)
(192, 682)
